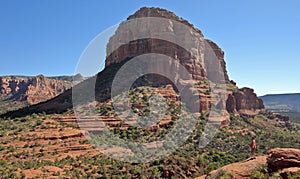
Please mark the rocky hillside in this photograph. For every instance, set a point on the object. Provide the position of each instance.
(239, 101)
(279, 163)
(51, 146)
(18, 91)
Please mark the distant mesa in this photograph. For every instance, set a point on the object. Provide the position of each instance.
(282, 101)
(286, 104)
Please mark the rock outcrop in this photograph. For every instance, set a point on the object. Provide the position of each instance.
(32, 89)
(283, 120)
(280, 158)
(244, 101)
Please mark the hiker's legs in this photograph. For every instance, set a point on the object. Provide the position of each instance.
(252, 154)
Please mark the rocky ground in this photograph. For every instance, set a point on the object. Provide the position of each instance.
(279, 163)
(243, 169)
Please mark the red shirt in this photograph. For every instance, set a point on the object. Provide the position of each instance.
(253, 144)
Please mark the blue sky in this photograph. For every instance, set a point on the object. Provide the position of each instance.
(261, 39)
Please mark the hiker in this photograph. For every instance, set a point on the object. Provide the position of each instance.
(253, 148)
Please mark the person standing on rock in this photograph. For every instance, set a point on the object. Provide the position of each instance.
(253, 148)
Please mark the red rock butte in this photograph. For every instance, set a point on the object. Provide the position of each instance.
(238, 101)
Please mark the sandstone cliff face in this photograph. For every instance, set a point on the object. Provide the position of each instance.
(31, 89)
(121, 47)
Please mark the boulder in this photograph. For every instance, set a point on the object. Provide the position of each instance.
(280, 158)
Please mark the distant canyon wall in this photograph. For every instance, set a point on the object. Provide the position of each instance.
(32, 89)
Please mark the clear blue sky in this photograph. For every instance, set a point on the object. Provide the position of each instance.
(261, 38)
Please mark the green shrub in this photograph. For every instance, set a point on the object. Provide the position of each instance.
(56, 173)
(2, 134)
(11, 149)
(295, 175)
(261, 172)
(222, 174)
(3, 162)
(2, 148)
